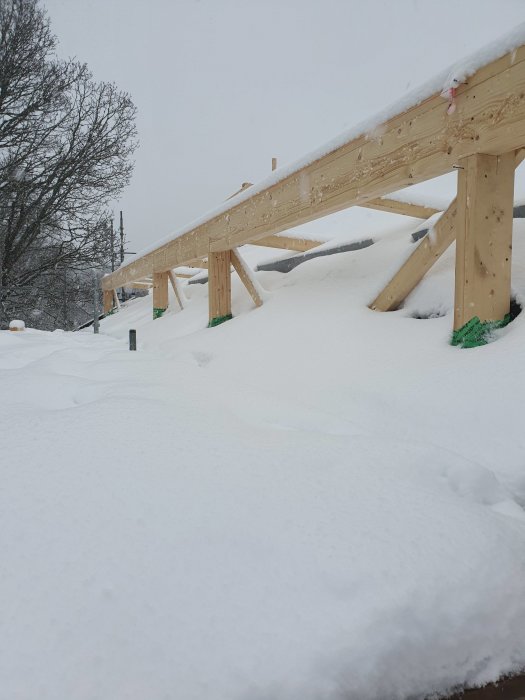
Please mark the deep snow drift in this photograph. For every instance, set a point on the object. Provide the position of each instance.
(312, 501)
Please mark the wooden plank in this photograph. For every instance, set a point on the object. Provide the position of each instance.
(116, 300)
(219, 285)
(201, 264)
(300, 245)
(510, 688)
(421, 143)
(393, 206)
(160, 290)
(423, 258)
(137, 285)
(242, 270)
(484, 238)
(175, 286)
(419, 263)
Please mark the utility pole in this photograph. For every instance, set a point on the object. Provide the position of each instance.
(95, 298)
(122, 293)
(112, 237)
(121, 239)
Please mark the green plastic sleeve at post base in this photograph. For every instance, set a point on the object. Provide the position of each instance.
(218, 320)
(475, 332)
(157, 313)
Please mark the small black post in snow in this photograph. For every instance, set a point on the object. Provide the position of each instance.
(132, 339)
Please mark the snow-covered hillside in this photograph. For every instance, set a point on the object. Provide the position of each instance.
(312, 501)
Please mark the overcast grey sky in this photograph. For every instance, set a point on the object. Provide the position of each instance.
(221, 86)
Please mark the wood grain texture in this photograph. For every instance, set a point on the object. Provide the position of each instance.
(175, 287)
(160, 290)
(416, 145)
(393, 206)
(419, 263)
(484, 238)
(242, 270)
(423, 258)
(108, 300)
(219, 284)
(300, 245)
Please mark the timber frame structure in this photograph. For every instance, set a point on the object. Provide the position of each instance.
(482, 137)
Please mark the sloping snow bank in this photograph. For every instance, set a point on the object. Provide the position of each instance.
(312, 501)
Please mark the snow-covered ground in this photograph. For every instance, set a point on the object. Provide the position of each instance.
(312, 501)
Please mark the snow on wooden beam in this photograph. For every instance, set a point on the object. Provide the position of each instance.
(417, 144)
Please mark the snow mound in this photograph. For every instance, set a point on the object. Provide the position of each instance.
(311, 501)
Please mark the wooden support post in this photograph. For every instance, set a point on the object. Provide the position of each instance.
(219, 287)
(424, 256)
(175, 286)
(246, 278)
(116, 300)
(160, 293)
(484, 238)
(108, 301)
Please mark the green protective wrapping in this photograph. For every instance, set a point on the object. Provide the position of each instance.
(475, 332)
(157, 313)
(218, 320)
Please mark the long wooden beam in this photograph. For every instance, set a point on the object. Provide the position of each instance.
(418, 144)
(423, 258)
(393, 206)
(299, 245)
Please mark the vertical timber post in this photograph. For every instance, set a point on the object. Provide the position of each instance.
(108, 301)
(219, 288)
(483, 246)
(160, 293)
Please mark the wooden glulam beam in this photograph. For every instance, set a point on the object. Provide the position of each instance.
(429, 250)
(393, 206)
(418, 144)
(300, 245)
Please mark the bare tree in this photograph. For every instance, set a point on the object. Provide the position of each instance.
(66, 143)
